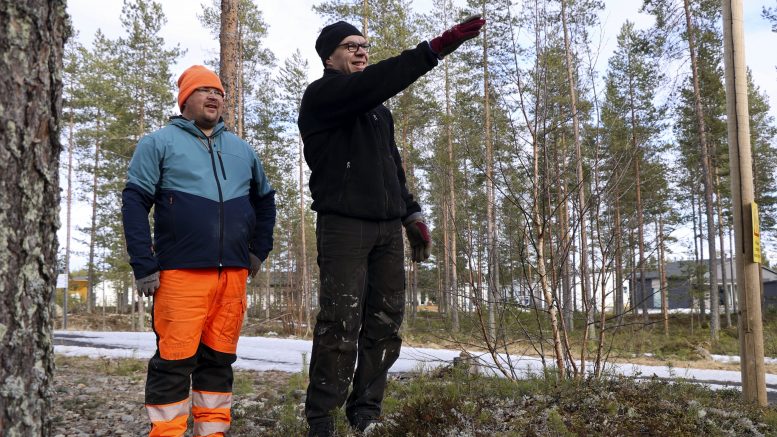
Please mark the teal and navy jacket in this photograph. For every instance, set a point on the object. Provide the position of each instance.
(212, 201)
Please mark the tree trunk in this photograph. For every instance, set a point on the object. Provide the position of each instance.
(32, 37)
(365, 17)
(567, 310)
(453, 285)
(618, 260)
(268, 286)
(93, 229)
(581, 204)
(240, 104)
(696, 260)
(228, 60)
(68, 220)
(304, 250)
(662, 275)
(723, 275)
(700, 261)
(633, 275)
(707, 177)
(540, 229)
(731, 269)
(493, 263)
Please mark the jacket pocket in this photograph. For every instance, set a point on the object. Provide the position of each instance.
(165, 217)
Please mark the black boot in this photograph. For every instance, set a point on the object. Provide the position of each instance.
(325, 428)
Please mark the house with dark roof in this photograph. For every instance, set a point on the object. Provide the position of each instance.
(687, 281)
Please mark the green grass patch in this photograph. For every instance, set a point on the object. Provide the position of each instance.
(242, 384)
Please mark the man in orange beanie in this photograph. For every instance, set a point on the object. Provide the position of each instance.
(214, 213)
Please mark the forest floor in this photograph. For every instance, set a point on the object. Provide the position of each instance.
(104, 397)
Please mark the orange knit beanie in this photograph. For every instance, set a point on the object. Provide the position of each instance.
(195, 77)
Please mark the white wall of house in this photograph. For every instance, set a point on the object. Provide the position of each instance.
(524, 296)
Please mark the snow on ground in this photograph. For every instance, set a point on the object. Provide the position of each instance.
(262, 353)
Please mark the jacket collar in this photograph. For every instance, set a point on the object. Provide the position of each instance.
(189, 126)
(329, 71)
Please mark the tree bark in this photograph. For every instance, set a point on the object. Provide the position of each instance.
(584, 276)
(493, 263)
(450, 215)
(304, 251)
(365, 17)
(93, 228)
(723, 275)
(640, 214)
(662, 275)
(69, 216)
(618, 260)
(228, 60)
(31, 39)
(707, 177)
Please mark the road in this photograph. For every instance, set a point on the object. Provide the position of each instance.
(290, 355)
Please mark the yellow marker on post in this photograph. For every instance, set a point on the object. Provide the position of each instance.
(756, 234)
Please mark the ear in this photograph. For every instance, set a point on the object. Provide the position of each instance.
(328, 62)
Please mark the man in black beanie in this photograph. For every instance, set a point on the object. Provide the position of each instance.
(360, 195)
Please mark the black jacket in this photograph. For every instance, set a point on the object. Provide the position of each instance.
(348, 134)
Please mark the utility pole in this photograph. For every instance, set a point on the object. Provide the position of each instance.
(747, 252)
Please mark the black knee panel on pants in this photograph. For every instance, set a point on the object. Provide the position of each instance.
(167, 381)
(213, 371)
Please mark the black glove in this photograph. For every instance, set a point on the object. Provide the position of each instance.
(452, 38)
(420, 241)
(256, 264)
(147, 286)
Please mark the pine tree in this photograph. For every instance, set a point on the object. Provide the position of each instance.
(292, 81)
(631, 121)
(32, 38)
(254, 61)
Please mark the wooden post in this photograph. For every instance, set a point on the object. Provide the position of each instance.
(751, 344)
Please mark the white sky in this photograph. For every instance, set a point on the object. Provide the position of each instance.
(262, 353)
(293, 25)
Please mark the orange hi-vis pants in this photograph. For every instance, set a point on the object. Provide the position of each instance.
(197, 317)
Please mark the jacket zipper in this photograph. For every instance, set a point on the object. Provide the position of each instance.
(376, 126)
(221, 163)
(221, 201)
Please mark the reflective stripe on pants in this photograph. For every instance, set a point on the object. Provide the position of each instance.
(168, 420)
(211, 412)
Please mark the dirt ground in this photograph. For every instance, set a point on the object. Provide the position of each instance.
(102, 397)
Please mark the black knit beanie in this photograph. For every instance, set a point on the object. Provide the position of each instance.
(330, 37)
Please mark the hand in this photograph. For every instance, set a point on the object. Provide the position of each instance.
(420, 241)
(147, 286)
(256, 263)
(452, 38)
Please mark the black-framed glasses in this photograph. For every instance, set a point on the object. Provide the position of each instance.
(353, 47)
(210, 91)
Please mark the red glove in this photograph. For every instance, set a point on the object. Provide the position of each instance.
(420, 241)
(452, 38)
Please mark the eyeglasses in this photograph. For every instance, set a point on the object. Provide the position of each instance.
(353, 47)
(210, 91)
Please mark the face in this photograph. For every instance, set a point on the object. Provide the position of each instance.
(204, 107)
(344, 61)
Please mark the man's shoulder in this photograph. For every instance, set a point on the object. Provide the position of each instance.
(232, 142)
(231, 138)
(167, 131)
(328, 77)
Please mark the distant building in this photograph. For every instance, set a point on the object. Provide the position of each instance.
(77, 286)
(682, 279)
